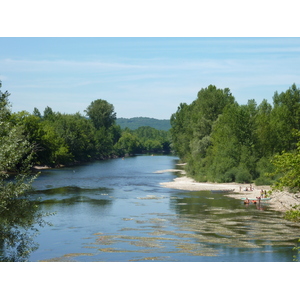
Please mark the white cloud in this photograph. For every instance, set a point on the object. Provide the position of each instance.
(154, 84)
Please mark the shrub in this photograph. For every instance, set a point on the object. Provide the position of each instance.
(293, 214)
(263, 181)
(230, 175)
(243, 175)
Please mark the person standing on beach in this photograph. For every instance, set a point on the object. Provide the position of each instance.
(262, 193)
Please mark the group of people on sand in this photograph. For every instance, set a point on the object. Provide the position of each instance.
(263, 194)
(247, 189)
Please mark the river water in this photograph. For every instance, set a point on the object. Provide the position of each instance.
(116, 211)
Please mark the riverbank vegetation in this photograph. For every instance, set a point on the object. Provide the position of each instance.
(62, 139)
(219, 139)
(223, 141)
(18, 215)
(145, 139)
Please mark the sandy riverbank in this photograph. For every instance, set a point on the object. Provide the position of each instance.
(280, 201)
(40, 167)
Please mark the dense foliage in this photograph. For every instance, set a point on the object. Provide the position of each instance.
(288, 165)
(18, 216)
(145, 139)
(60, 139)
(223, 141)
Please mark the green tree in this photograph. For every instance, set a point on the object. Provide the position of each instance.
(192, 127)
(101, 113)
(55, 151)
(285, 117)
(37, 113)
(127, 144)
(78, 135)
(223, 156)
(192, 124)
(181, 131)
(153, 140)
(48, 113)
(287, 167)
(18, 215)
(266, 141)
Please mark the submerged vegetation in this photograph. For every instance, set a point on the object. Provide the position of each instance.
(167, 237)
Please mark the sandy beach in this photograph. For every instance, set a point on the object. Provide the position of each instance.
(280, 201)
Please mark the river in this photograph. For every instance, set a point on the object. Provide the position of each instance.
(116, 211)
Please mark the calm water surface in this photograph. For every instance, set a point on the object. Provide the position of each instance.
(116, 211)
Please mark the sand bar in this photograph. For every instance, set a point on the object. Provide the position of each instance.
(280, 201)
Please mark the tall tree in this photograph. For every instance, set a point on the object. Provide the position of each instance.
(18, 215)
(48, 113)
(127, 144)
(223, 155)
(266, 141)
(192, 125)
(287, 166)
(181, 131)
(285, 117)
(37, 113)
(101, 113)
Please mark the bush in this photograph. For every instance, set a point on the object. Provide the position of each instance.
(263, 181)
(243, 176)
(293, 214)
(230, 175)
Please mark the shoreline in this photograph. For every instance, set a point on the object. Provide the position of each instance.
(280, 201)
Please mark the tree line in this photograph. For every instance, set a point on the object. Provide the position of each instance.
(61, 139)
(222, 141)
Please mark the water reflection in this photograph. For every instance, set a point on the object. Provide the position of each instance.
(117, 211)
(225, 224)
(73, 194)
(70, 190)
(18, 229)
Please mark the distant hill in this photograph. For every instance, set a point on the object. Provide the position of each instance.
(135, 123)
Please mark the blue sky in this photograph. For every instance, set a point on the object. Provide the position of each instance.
(146, 77)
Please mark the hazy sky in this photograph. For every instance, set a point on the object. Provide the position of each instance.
(146, 77)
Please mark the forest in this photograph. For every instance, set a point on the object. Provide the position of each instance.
(61, 139)
(223, 141)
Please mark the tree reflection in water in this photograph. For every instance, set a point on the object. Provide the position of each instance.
(19, 219)
(18, 228)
